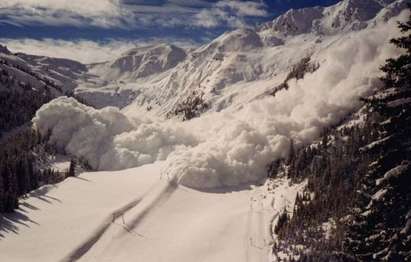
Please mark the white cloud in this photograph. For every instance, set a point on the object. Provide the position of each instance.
(83, 50)
(208, 18)
(102, 13)
(129, 14)
(229, 13)
(80, 7)
(246, 8)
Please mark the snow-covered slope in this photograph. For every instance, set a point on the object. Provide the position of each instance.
(57, 75)
(140, 62)
(345, 16)
(17, 75)
(105, 83)
(63, 72)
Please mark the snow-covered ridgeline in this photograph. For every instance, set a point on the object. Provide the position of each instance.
(161, 77)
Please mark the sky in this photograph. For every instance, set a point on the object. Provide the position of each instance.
(61, 27)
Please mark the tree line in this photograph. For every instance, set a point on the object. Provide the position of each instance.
(21, 170)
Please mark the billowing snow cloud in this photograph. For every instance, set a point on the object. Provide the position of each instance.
(106, 138)
(242, 144)
(227, 148)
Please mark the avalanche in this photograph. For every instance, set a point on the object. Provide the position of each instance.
(172, 190)
(232, 146)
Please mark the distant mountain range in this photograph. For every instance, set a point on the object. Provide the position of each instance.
(164, 78)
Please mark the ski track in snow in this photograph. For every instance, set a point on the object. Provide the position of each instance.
(89, 242)
(144, 213)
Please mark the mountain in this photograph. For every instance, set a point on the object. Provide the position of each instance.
(63, 72)
(170, 81)
(28, 81)
(347, 15)
(141, 62)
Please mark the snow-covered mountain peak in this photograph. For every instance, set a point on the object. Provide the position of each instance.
(156, 49)
(351, 14)
(163, 77)
(240, 40)
(347, 15)
(297, 21)
(141, 62)
(392, 8)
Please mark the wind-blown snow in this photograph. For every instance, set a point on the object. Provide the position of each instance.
(234, 146)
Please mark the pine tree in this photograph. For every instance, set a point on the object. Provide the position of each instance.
(72, 167)
(2, 188)
(381, 230)
(11, 195)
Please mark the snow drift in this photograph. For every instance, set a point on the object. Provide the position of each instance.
(231, 147)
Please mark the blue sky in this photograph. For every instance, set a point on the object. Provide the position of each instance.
(103, 22)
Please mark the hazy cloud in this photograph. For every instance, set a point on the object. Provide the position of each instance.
(84, 51)
(230, 13)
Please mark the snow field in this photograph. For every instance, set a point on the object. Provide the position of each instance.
(131, 215)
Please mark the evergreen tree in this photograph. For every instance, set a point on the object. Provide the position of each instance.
(72, 167)
(11, 187)
(2, 188)
(381, 229)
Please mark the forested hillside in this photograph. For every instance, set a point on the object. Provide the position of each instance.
(381, 225)
(24, 153)
(21, 93)
(357, 202)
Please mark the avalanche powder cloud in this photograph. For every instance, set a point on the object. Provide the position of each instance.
(227, 148)
(106, 138)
